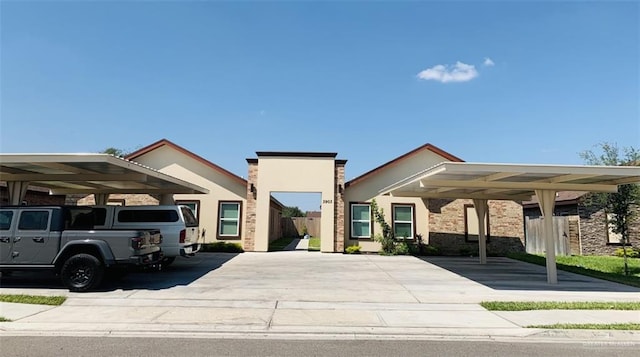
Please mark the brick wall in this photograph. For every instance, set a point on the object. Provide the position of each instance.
(593, 231)
(34, 197)
(250, 224)
(339, 208)
(447, 227)
(128, 199)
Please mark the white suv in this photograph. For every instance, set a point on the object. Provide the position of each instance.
(177, 224)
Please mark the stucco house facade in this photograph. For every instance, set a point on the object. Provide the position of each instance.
(243, 210)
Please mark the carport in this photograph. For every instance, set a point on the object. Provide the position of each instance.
(517, 182)
(98, 174)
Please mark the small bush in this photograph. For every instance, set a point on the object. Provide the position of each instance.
(353, 249)
(222, 247)
(631, 252)
(401, 248)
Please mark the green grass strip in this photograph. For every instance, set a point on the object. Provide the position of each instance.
(2, 319)
(280, 244)
(625, 326)
(32, 299)
(557, 305)
(600, 267)
(314, 244)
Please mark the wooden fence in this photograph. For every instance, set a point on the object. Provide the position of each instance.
(566, 233)
(294, 226)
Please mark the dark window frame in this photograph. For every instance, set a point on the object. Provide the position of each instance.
(371, 225)
(413, 218)
(219, 219)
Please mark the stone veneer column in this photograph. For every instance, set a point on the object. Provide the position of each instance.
(338, 211)
(250, 223)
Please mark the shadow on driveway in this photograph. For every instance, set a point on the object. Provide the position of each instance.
(507, 274)
(183, 271)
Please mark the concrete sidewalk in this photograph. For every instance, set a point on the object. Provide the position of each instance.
(302, 294)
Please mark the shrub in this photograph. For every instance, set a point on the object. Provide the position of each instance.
(631, 252)
(222, 247)
(401, 248)
(353, 249)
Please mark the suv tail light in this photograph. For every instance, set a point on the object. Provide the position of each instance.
(183, 235)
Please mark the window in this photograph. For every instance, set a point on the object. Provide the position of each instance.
(361, 220)
(194, 205)
(612, 237)
(5, 220)
(229, 220)
(85, 217)
(403, 218)
(471, 226)
(147, 216)
(33, 221)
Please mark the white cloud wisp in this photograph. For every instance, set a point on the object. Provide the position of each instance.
(488, 62)
(460, 72)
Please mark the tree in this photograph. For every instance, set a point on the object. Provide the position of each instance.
(622, 205)
(293, 211)
(115, 152)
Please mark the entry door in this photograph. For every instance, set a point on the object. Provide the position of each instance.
(7, 224)
(31, 243)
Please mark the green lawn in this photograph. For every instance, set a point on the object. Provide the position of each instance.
(280, 244)
(314, 244)
(557, 305)
(627, 326)
(33, 299)
(2, 319)
(602, 267)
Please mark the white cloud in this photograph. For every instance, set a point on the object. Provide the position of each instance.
(488, 62)
(460, 72)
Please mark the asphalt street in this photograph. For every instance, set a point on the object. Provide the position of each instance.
(158, 347)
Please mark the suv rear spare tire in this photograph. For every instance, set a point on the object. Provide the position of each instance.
(82, 272)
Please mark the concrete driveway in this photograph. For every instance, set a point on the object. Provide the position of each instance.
(301, 292)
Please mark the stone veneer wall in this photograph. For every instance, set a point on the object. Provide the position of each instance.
(447, 227)
(339, 209)
(594, 235)
(250, 224)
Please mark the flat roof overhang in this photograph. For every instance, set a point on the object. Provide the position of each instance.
(518, 182)
(90, 174)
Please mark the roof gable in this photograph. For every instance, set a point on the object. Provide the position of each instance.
(164, 142)
(436, 150)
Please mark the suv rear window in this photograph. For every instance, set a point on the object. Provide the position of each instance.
(189, 219)
(161, 215)
(5, 220)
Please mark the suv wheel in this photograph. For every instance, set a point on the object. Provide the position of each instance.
(82, 272)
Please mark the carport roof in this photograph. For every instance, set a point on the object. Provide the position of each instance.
(516, 182)
(90, 173)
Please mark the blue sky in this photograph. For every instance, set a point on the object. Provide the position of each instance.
(523, 82)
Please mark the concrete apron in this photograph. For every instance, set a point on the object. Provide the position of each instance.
(306, 295)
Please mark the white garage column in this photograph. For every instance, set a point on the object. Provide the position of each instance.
(547, 200)
(101, 198)
(17, 191)
(482, 208)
